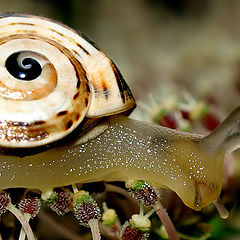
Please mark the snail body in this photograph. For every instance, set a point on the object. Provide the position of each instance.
(65, 122)
(125, 149)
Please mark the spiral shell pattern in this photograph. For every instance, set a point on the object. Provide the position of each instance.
(51, 78)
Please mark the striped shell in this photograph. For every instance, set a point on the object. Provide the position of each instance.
(51, 78)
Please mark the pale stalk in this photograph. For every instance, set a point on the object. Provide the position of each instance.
(93, 224)
(22, 235)
(166, 221)
(25, 225)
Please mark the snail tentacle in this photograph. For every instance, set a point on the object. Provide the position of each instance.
(224, 136)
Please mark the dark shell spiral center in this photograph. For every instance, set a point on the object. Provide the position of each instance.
(26, 69)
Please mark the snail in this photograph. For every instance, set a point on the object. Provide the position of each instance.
(64, 110)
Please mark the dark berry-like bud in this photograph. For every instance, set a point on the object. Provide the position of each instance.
(4, 201)
(143, 192)
(60, 201)
(30, 205)
(85, 208)
(129, 232)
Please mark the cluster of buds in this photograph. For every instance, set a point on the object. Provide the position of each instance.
(200, 112)
(30, 205)
(184, 115)
(170, 111)
(4, 201)
(109, 216)
(60, 201)
(129, 232)
(5, 204)
(166, 113)
(143, 192)
(110, 222)
(85, 208)
(138, 226)
(148, 195)
(87, 212)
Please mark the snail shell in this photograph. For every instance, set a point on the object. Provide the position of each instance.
(51, 78)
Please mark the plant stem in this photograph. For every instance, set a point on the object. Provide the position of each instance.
(22, 235)
(149, 213)
(75, 189)
(141, 212)
(23, 221)
(93, 224)
(166, 221)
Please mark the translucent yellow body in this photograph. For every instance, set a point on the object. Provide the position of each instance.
(125, 149)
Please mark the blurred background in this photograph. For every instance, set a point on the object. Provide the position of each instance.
(169, 51)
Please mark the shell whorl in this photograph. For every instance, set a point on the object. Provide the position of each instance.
(51, 78)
